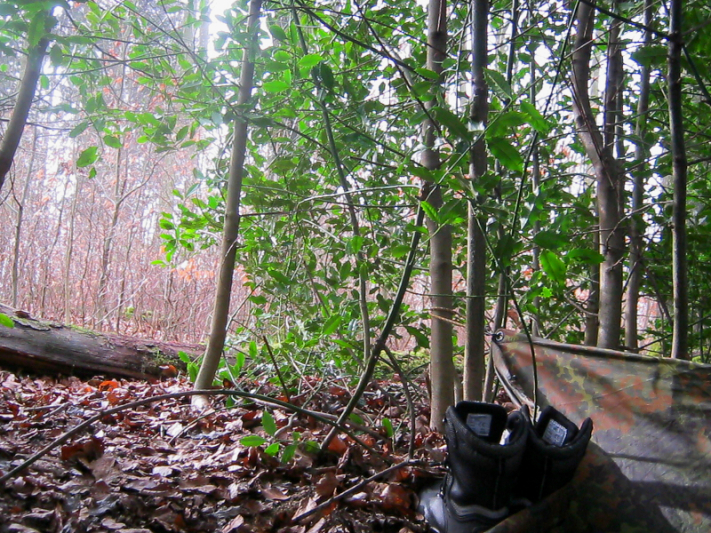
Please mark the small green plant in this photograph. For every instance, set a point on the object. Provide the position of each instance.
(288, 448)
(6, 321)
(193, 367)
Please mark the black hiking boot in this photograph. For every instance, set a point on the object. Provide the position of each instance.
(476, 493)
(554, 449)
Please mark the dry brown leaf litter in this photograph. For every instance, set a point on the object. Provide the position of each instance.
(167, 468)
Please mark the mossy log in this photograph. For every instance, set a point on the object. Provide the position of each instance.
(50, 348)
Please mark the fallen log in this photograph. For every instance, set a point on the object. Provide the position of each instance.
(50, 348)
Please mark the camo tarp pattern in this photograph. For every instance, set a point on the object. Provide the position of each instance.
(649, 468)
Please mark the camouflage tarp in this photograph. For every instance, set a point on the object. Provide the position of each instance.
(649, 468)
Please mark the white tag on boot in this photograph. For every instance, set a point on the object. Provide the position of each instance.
(479, 423)
(555, 434)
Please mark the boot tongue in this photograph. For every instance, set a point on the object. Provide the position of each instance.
(480, 424)
(555, 429)
(555, 434)
(481, 420)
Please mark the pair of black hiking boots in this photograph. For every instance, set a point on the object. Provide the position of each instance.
(491, 475)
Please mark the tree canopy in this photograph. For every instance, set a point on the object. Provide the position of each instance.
(116, 198)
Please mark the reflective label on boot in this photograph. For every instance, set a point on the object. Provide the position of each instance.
(479, 423)
(555, 434)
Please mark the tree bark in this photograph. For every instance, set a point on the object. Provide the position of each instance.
(680, 340)
(592, 306)
(442, 372)
(636, 220)
(28, 87)
(476, 264)
(609, 183)
(18, 226)
(220, 313)
(43, 347)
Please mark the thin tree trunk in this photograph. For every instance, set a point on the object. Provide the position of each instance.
(592, 324)
(680, 340)
(119, 188)
(220, 313)
(476, 264)
(502, 298)
(536, 189)
(636, 220)
(18, 225)
(442, 372)
(609, 183)
(28, 87)
(500, 315)
(69, 296)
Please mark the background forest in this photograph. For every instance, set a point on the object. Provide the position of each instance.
(557, 151)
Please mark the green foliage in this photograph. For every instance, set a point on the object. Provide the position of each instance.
(297, 253)
(6, 321)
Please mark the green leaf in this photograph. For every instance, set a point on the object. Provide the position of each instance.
(185, 358)
(500, 85)
(309, 61)
(37, 29)
(423, 340)
(585, 255)
(252, 440)
(88, 157)
(651, 55)
(326, 75)
(113, 141)
(258, 299)
(166, 224)
(289, 452)
(278, 33)
(355, 244)
(311, 446)
(272, 449)
(268, 423)
(427, 73)
(78, 129)
(388, 426)
(331, 325)
(400, 251)
(503, 123)
(553, 266)
(550, 239)
(534, 118)
(193, 370)
(275, 86)
(240, 359)
(430, 211)
(56, 55)
(451, 121)
(506, 154)
(281, 278)
(6, 321)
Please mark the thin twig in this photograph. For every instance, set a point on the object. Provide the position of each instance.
(276, 367)
(408, 398)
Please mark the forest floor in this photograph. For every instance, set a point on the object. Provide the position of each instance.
(166, 467)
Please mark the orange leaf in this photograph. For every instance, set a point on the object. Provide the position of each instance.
(168, 371)
(109, 385)
(337, 446)
(395, 497)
